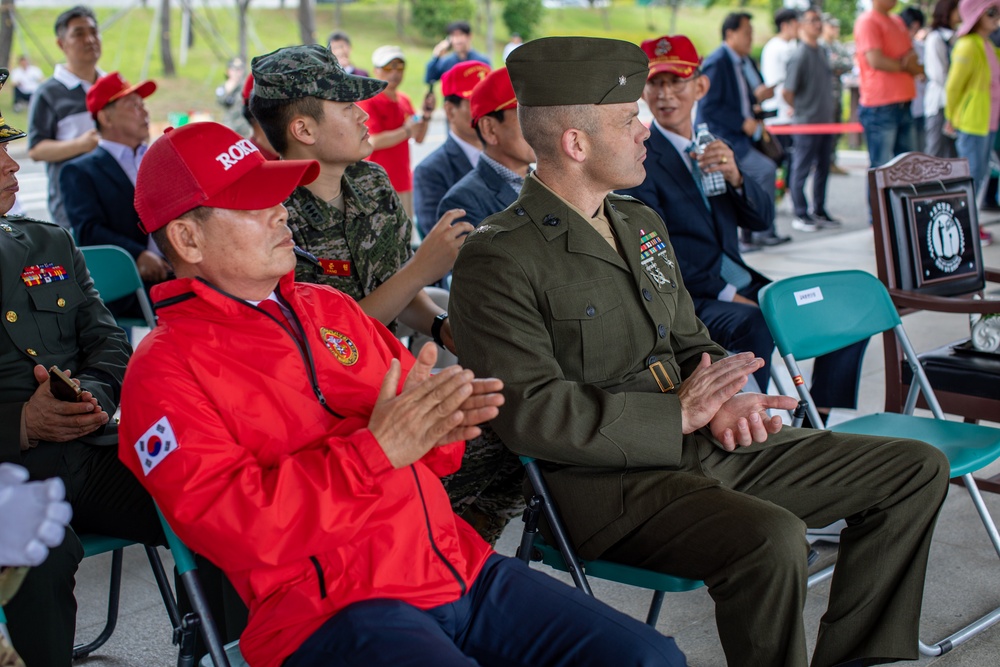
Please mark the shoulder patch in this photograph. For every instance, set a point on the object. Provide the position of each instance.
(156, 444)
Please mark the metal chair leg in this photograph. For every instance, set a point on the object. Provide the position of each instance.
(655, 605)
(162, 583)
(197, 595)
(83, 650)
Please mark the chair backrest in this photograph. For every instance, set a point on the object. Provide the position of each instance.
(115, 276)
(818, 313)
(926, 225)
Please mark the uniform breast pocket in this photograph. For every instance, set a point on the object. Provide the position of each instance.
(591, 339)
(55, 306)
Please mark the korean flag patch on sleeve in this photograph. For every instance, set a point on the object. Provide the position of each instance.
(155, 445)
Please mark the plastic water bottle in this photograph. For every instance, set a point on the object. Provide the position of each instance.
(713, 183)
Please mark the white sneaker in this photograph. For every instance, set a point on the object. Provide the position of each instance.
(805, 224)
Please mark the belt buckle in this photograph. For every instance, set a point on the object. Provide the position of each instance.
(665, 384)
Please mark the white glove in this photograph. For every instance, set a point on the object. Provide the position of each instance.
(33, 516)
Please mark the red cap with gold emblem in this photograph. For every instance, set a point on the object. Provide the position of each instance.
(494, 93)
(676, 55)
(463, 77)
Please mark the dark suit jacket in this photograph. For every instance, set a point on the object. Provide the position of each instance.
(481, 192)
(433, 177)
(699, 236)
(62, 322)
(98, 199)
(720, 107)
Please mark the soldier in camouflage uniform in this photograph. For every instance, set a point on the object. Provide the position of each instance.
(353, 222)
(349, 218)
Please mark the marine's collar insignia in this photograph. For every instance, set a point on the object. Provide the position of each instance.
(7, 228)
(342, 347)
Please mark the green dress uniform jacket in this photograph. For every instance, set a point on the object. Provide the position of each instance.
(62, 323)
(573, 338)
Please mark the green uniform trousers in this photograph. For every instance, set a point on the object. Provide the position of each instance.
(745, 537)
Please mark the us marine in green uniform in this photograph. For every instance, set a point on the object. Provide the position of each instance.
(349, 218)
(572, 297)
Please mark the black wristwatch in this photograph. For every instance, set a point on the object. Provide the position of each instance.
(436, 328)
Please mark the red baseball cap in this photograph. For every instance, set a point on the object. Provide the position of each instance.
(111, 87)
(494, 93)
(247, 89)
(207, 164)
(676, 55)
(463, 77)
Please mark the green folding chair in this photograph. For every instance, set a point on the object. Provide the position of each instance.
(563, 556)
(94, 545)
(116, 276)
(815, 314)
(218, 655)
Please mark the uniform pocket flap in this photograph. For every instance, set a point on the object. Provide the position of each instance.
(583, 301)
(58, 297)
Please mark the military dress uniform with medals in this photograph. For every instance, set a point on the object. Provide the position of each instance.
(52, 315)
(594, 334)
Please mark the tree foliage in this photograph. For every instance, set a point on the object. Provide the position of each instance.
(432, 16)
(523, 17)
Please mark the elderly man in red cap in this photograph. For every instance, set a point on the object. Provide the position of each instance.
(703, 229)
(460, 152)
(292, 440)
(98, 187)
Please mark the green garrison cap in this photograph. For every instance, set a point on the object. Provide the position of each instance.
(557, 71)
(7, 133)
(295, 72)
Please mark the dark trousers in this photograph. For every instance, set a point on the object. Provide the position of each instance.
(745, 538)
(512, 615)
(811, 154)
(106, 499)
(741, 327)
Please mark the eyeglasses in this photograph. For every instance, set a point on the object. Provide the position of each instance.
(677, 84)
(394, 67)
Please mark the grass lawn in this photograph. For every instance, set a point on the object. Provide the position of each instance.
(370, 24)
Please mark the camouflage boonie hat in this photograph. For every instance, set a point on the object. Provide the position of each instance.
(295, 72)
(7, 133)
(557, 71)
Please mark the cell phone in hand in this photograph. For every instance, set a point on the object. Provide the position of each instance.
(62, 387)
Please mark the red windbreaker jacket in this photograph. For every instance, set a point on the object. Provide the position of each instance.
(258, 453)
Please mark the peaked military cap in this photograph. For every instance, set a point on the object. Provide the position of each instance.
(295, 72)
(557, 71)
(7, 133)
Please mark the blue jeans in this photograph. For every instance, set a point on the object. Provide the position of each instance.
(888, 131)
(512, 615)
(976, 149)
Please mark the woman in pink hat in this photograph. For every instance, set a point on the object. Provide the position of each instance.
(972, 106)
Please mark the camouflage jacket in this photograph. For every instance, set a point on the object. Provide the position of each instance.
(359, 249)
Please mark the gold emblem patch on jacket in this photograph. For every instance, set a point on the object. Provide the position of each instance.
(340, 346)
